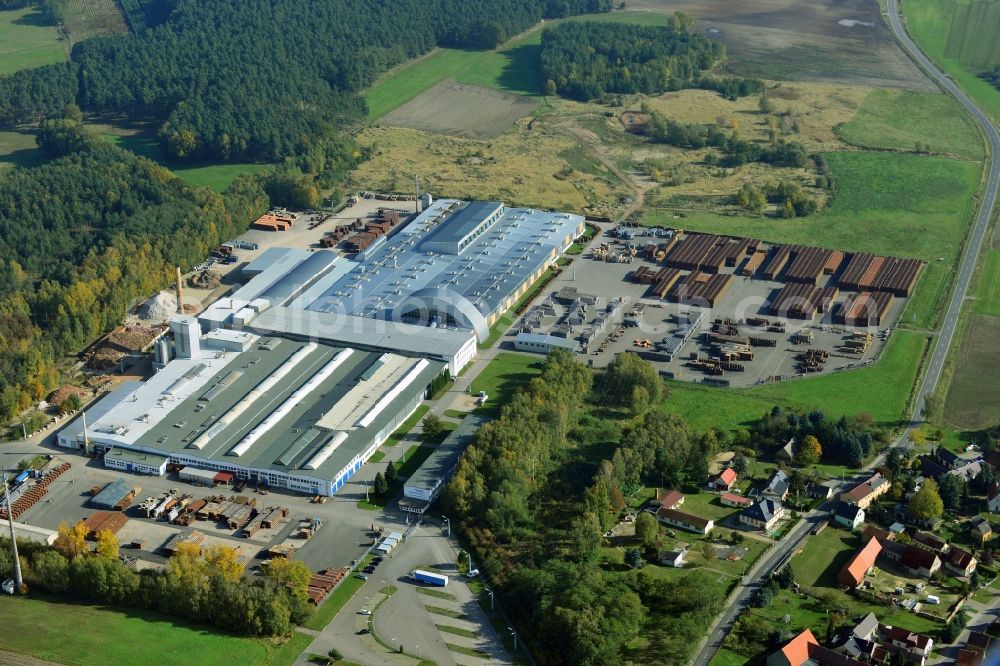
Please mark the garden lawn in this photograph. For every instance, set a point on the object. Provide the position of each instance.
(27, 39)
(71, 633)
(706, 505)
(902, 119)
(823, 555)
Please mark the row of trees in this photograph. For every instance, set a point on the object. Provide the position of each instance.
(535, 504)
(82, 237)
(844, 441)
(588, 60)
(255, 80)
(790, 197)
(198, 585)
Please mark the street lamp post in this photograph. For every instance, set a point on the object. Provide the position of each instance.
(514, 634)
(448, 523)
(420, 653)
(490, 592)
(18, 581)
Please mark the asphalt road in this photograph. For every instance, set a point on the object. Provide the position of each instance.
(942, 342)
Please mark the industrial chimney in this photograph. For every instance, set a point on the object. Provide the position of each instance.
(180, 292)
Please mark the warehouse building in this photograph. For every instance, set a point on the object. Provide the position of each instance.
(296, 414)
(544, 344)
(456, 265)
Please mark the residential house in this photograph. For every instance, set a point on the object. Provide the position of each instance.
(876, 532)
(948, 458)
(819, 491)
(960, 562)
(849, 515)
(920, 562)
(981, 530)
(977, 650)
(857, 643)
(863, 561)
(685, 521)
(734, 500)
(671, 499)
(917, 644)
(993, 498)
(804, 650)
(787, 452)
(893, 550)
(795, 652)
(897, 528)
(930, 542)
(725, 480)
(968, 471)
(992, 458)
(674, 558)
(867, 491)
(777, 487)
(763, 515)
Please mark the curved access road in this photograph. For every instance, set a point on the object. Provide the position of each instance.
(967, 266)
(942, 343)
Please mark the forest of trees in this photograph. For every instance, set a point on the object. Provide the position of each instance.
(261, 79)
(588, 60)
(197, 586)
(82, 237)
(534, 504)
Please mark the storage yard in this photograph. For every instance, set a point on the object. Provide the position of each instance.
(168, 510)
(722, 310)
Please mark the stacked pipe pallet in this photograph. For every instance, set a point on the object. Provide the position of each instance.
(796, 300)
(898, 276)
(777, 262)
(809, 263)
(701, 289)
(752, 263)
(31, 496)
(322, 582)
(100, 521)
(863, 309)
(860, 272)
(116, 496)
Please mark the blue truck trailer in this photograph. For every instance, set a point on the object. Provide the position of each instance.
(429, 577)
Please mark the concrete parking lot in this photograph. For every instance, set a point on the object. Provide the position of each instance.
(659, 319)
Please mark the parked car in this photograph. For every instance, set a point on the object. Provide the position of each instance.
(361, 576)
(472, 573)
(362, 632)
(364, 611)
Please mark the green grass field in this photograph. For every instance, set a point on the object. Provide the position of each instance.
(512, 68)
(27, 39)
(18, 148)
(71, 633)
(930, 22)
(503, 376)
(213, 176)
(988, 293)
(901, 205)
(901, 119)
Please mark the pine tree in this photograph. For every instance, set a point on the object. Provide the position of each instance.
(381, 487)
(391, 474)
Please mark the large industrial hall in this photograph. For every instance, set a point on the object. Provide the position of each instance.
(298, 376)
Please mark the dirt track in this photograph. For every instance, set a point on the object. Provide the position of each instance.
(800, 39)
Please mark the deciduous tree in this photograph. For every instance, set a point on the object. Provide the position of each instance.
(71, 540)
(926, 503)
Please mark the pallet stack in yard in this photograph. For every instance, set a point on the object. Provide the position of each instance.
(31, 496)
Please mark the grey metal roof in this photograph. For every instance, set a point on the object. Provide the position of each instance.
(362, 332)
(268, 257)
(300, 278)
(440, 464)
(141, 457)
(553, 340)
(464, 220)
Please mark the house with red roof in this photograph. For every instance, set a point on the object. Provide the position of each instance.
(795, 652)
(853, 573)
(671, 499)
(725, 480)
(734, 500)
(867, 491)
